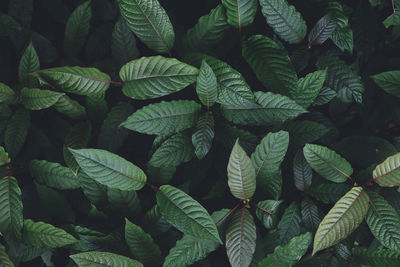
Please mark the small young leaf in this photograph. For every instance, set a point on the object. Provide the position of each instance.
(392, 20)
(6, 93)
(37, 99)
(302, 172)
(70, 108)
(29, 63)
(322, 30)
(11, 220)
(203, 137)
(240, 13)
(289, 225)
(241, 173)
(17, 131)
(109, 169)
(343, 38)
(387, 174)
(388, 81)
(206, 86)
(342, 219)
(4, 158)
(270, 218)
(103, 259)
(186, 214)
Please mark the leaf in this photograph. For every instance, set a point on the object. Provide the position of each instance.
(241, 238)
(186, 214)
(270, 218)
(268, 156)
(286, 21)
(76, 80)
(152, 77)
(28, 64)
(322, 30)
(4, 158)
(109, 169)
(289, 254)
(164, 118)
(226, 135)
(388, 81)
(122, 37)
(4, 259)
(374, 257)
(325, 96)
(383, 220)
(387, 174)
(270, 63)
(206, 86)
(310, 214)
(327, 163)
(203, 137)
(124, 203)
(6, 93)
(95, 192)
(103, 259)
(11, 219)
(43, 235)
(343, 38)
(308, 88)
(241, 173)
(302, 172)
(240, 13)
(70, 108)
(17, 131)
(53, 174)
(77, 29)
(141, 244)
(328, 193)
(304, 131)
(150, 23)
(208, 31)
(37, 99)
(289, 225)
(112, 135)
(392, 20)
(345, 216)
(270, 108)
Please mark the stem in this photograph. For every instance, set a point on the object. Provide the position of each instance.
(229, 213)
(261, 208)
(394, 8)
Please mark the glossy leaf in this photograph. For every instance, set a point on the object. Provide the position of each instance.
(325, 96)
(207, 86)
(322, 30)
(343, 38)
(103, 259)
(374, 257)
(308, 88)
(388, 81)
(11, 220)
(203, 137)
(289, 225)
(387, 174)
(37, 99)
(240, 13)
(95, 192)
(70, 108)
(17, 131)
(310, 214)
(28, 64)
(269, 218)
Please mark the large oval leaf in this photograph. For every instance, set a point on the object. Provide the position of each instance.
(241, 238)
(240, 13)
(11, 220)
(241, 173)
(327, 163)
(109, 169)
(186, 214)
(387, 173)
(152, 77)
(164, 118)
(36, 99)
(342, 219)
(103, 259)
(150, 23)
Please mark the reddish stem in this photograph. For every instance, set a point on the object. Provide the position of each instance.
(229, 213)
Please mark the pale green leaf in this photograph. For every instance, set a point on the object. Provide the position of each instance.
(241, 238)
(6, 93)
(122, 37)
(186, 214)
(308, 88)
(289, 254)
(345, 216)
(327, 163)
(207, 86)
(302, 172)
(43, 235)
(203, 137)
(152, 77)
(289, 225)
(240, 13)
(109, 169)
(325, 96)
(164, 118)
(387, 174)
(388, 81)
(70, 108)
(17, 131)
(241, 173)
(150, 23)
(269, 215)
(328, 193)
(4, 158)
(286, 21)
(103, 259)
(322, 30)
(11, 220)
(37, 99)
(29, 63)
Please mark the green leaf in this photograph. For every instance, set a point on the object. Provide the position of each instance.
(286, 21)
(203, 137)
(322, 30)
(241, 238)
(289, 225)
(302, 172)
(122, 37)
(308, 88)
(310, 214)
(388, 81)
(271, 64)
(112, 135)
(28, 64)
(376, 258)
(207, 86)
(343, 38)
(95, 192)
(345, 216)
(76, 80)
(387, 174)
(43, 235)
(37, 99)
(4, 259)
(70, 108)
(103, 259)
(303, 131)
(175, 150)
(124, 203)
(4, 158)
(141, 244)
(269, 218)
(77, 29)
(270, 108)
(164, 118)
(17, 131)
(392, 20)
(290, 254)
(208, 31)
(11, 219)
(327, 163)
(8, 25)
(240, 13)
(53, 175)
(383, 220)
(241, 173)
(186, 214)
(268, 156)
(325, 96)
(150, 23)
(6, 93)
(152, 77)
(328, 193)
(109, 169)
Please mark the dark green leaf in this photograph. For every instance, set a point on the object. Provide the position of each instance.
(17, 131)
(203, 137)
(289, 225)
(207, 86)
(103, 259)
(240, 13)
(11, 220)
(28, 64)
(37, 99)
